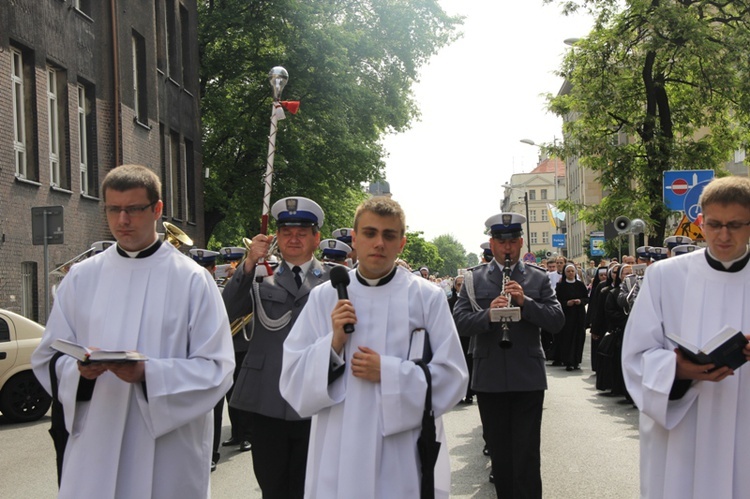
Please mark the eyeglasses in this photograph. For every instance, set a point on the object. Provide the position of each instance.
(130, 210)
(733, 226)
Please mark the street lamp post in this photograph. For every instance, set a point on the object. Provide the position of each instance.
(526, 203)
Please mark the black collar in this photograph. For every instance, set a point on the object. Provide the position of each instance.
(735, 267)
(383, 280)
(143, 254)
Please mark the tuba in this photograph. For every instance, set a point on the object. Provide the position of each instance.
(175, 236)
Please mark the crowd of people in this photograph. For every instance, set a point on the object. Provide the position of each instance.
(334, 368)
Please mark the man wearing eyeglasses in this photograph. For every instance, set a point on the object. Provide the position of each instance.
(694, 417)
(138, 428)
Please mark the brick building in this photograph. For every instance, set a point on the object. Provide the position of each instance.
(85, 86)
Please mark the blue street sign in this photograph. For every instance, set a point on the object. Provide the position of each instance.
(677, 183)
(691, 207)
(597, 245)
(558, 240)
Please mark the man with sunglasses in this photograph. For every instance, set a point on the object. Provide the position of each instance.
(509, 382)
(693, 421)
(138, 428)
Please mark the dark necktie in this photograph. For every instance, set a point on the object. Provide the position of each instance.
(297, 277)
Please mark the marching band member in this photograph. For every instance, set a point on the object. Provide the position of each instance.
(279, 435)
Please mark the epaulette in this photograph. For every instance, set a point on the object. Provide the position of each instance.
(481, 265)
(536, 266)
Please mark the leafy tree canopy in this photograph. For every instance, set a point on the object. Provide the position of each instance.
(351, 63)
(657, 85)
(418, 252)
(453, 254)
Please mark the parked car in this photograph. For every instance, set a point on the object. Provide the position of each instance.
(22, 398)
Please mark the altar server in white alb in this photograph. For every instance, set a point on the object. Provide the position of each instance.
(695, 419)
(365, 397)
(138, 429)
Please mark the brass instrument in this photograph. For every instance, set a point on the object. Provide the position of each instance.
(239, 323)
(62, 270)
(505, 341)
(175, 236)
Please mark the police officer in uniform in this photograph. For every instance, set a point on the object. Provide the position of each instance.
(345, 236)
(509, 382)
(207, 259)
(335, 251)
(672, 241)
(279, 436)
(239, 419)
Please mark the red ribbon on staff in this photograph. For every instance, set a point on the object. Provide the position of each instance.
(290, 105)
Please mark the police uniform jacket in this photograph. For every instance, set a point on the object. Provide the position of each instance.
(257, 386)
(521, 367)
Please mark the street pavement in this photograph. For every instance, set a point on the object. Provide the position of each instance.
(589, 450)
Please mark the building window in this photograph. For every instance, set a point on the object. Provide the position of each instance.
(190, 180)
(57, 127)
(532, 216)
(163, 159)
(161, 55)
(187, 60)
(545, 218)
(532, 238)
(532, 195)
(24, 109)
(140, 96)
(544, 193)
(173, 62)
(87, 139)
(29, 293)
(545, 237)
(83, 6)
(175, 176)
(739, 155)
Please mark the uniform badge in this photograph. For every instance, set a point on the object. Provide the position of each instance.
(332, 244)
(507, 219)
(316, 272)
(291, 205)
(344, 232)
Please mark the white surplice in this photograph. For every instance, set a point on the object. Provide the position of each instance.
(697, 446)
(124, 443)
(364, 434)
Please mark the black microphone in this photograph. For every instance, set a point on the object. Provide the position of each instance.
(340, 280)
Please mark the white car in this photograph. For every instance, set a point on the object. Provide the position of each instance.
(22, 398)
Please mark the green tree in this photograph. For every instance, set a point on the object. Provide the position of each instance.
(657, 85)
(418, 252)
(351, 63)
(452, 252)
(472, 260)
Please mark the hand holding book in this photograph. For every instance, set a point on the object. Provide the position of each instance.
(715, 360)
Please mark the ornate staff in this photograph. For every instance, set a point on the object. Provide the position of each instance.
(277, 77)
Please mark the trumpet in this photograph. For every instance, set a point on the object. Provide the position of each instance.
(239, 323)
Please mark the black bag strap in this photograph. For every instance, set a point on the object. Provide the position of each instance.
(428, 395)
(53, 374)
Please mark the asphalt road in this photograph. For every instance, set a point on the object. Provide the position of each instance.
(589, 450)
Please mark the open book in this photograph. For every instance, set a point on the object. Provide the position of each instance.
(724, 349)
(87, 355)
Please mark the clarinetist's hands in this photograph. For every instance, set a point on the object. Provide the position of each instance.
(516, 292)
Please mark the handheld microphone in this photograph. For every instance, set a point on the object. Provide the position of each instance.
(340, 280)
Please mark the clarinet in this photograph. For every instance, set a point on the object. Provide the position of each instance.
(505, 342)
